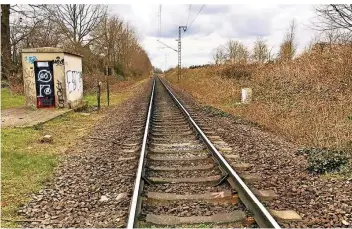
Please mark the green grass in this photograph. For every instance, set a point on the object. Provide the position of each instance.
(115, 99)
(91, 99)
(23, 169)
(9, 99)
(26, 164)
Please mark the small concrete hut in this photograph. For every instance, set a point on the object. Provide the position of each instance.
(52, 78)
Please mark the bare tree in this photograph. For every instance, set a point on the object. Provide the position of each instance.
(260, 51)
(5, 42)
(107, 36)
(219, 55)
(236, 52)
(335, 22)
(288, 47)
(117, 43)
(77, 21)
(42, 35)
(335, 16)
(24, 20)
(18, 21)
(82, 28)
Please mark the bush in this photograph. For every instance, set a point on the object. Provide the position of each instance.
(119, 69)
(212, 111)
(238, 71)
(324, 160)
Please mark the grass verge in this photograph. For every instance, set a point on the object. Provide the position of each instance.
(306, 100)
(287, 99)
(26, 164)
(10, 100)
(120, 93)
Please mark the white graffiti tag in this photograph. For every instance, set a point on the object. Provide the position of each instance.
(46, 91)
(74, 81)
(44, 76)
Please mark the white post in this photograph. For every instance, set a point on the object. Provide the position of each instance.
(246, 95)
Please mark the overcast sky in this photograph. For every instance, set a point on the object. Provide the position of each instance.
(214, 25)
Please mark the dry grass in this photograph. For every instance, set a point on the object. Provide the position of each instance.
(308, 100)
(118, 91)
(116, 84)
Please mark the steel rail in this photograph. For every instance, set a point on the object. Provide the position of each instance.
(261, 214)
(137, 186)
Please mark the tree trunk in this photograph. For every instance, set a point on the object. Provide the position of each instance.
(5, 42)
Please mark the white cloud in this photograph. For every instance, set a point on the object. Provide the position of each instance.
(214, 26)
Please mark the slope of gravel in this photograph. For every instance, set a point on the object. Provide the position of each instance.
(321, 201)
(92, 186)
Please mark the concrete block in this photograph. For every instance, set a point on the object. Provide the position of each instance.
(285, 215)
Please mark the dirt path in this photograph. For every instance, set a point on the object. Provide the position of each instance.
(27, 117)
(93, 184)
(321, 201)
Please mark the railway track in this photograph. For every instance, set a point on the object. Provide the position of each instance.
(182, 178)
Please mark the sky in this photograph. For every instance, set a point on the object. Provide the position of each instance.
(214, 25)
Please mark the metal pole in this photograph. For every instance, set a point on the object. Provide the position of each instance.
(108, 91)
(98, 95)
(179, 55)
(165, 63)
(179, 51)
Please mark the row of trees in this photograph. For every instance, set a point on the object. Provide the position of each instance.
(157, 70)
(334, 25)
(198, 66)
(236, 52)
(103, 39)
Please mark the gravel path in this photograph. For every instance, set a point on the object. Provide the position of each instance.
(92, 185)
(321, 201)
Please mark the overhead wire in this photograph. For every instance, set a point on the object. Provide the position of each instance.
(160, 20)
(193, 19)
(189, 14)
(159, 37)
(196, 16)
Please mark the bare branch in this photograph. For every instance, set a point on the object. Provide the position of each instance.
(335, 19)
(77, 21)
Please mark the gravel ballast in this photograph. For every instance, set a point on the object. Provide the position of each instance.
(322, 201)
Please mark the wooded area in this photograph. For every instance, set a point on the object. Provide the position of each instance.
(234, 52)
(104, 39)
